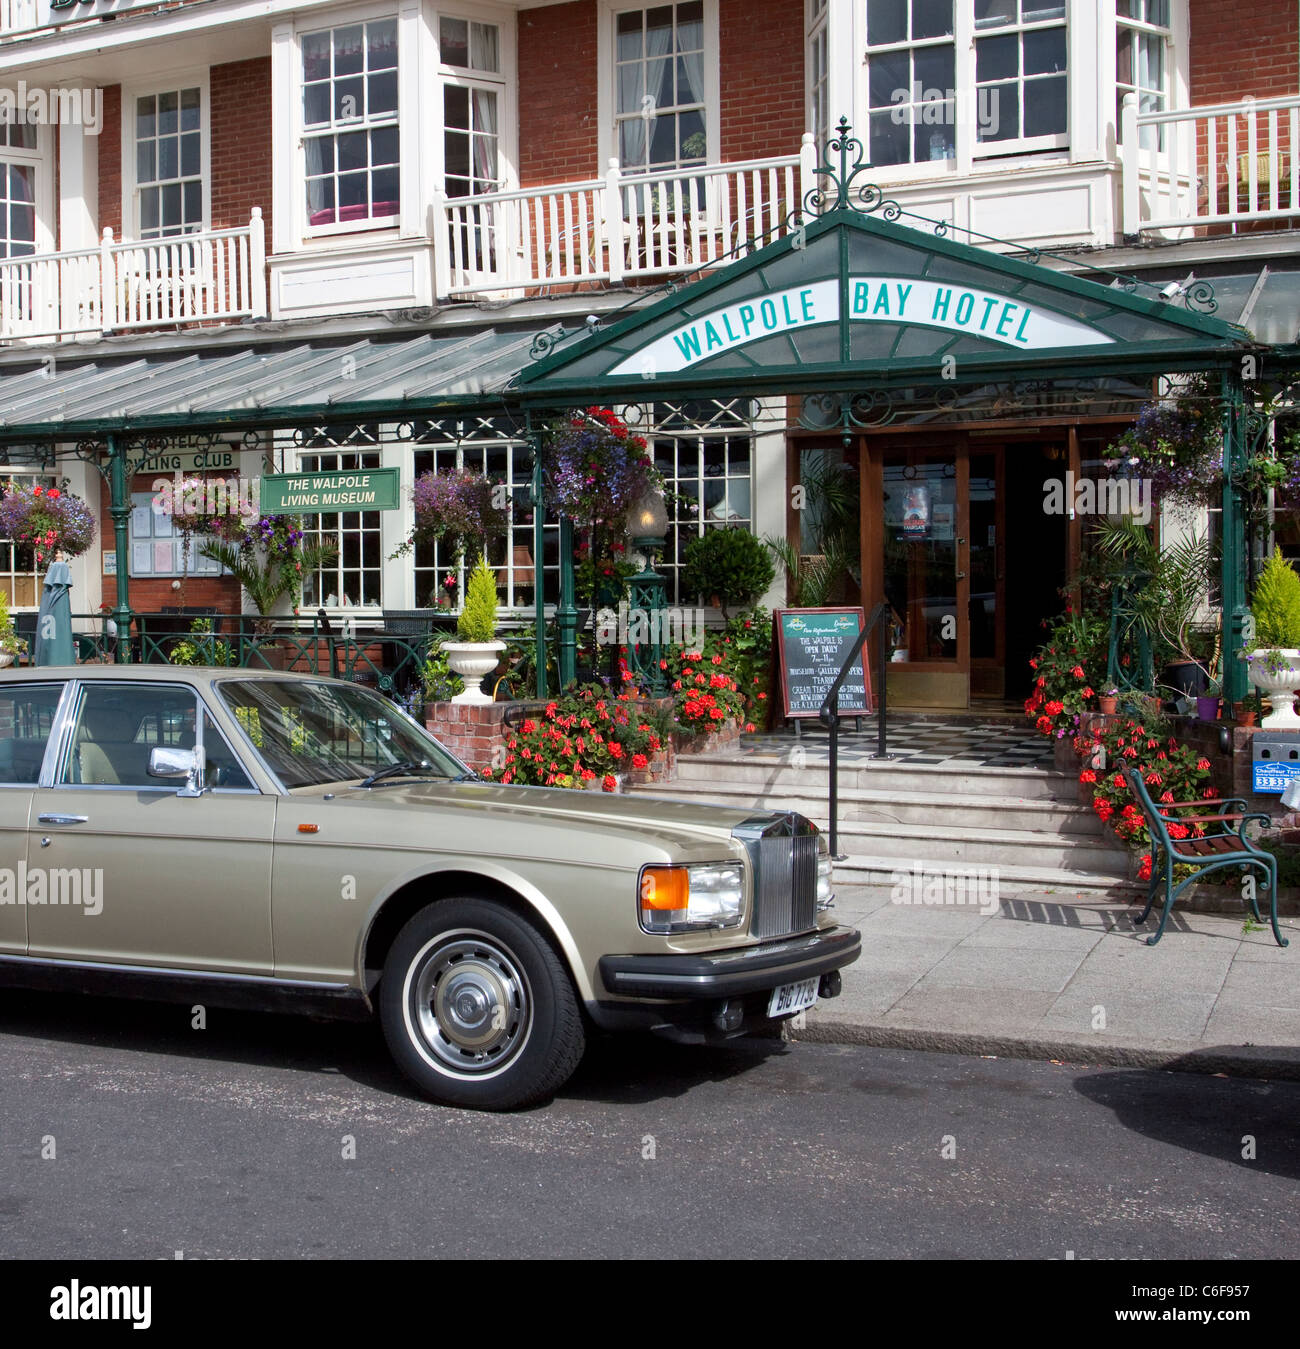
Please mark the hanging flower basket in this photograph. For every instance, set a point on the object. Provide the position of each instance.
(43, 520)
(458, 508)
(1177, 444)
(597, 469)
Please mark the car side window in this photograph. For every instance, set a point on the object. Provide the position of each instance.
(117, 725)
(26, 720)
(221, 769)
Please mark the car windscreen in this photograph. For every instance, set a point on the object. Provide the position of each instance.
(310, 732)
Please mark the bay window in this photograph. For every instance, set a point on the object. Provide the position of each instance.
(351, 138)
(991, 71)
(18, 167)
(1143, 38)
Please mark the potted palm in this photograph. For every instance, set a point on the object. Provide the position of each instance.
(1274, 663)
(477, 653)
(269, 558)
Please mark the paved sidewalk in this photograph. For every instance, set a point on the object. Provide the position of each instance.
(1057, 976)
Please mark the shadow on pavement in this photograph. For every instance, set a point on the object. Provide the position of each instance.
(1213, 1116)
(626, 1069)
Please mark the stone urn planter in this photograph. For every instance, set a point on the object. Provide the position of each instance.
(473, 660)
(1275, 672)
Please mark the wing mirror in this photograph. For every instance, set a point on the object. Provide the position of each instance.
(166, 762)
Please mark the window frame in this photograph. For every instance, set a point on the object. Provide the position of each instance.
(1139, 28)
(607, 113)
(309, 25)
(171, 82)
(41, 161)
(970, 154)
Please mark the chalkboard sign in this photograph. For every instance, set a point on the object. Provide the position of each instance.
(810, 646)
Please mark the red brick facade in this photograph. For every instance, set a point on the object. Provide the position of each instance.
(1235, 52)
(762, 65)
(240, 137)
(762, 99)
(240, 100)
(149, 594)
(558, 120)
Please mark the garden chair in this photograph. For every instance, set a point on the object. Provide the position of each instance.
(1213, 850)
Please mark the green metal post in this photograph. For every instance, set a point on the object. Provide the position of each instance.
(120, 510)
(566, 617)
(538, 498)
(1235, 612)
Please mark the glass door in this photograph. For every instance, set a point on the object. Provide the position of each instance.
(925, 563)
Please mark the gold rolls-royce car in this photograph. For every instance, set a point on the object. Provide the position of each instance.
(242, 838)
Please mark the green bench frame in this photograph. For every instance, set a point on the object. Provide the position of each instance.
(1211, 851)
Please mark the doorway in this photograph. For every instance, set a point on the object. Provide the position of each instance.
(968, 561)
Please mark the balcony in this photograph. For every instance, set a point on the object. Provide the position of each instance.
(213, 276)
(1214, 169)
(622, 227)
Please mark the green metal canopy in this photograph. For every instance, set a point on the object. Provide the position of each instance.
(255, 383)
(853, 299)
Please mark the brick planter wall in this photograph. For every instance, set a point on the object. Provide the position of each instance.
(470, 731)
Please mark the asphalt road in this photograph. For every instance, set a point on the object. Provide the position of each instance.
(230, 1142)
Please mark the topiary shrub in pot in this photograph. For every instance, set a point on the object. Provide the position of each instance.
(476, 654)
(1274, 663)
(727, 564)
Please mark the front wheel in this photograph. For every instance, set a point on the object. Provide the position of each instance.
(477, 1008)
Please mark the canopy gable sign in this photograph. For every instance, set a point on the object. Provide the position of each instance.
(852, 295)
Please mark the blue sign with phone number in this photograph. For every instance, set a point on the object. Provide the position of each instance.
(1270, 776)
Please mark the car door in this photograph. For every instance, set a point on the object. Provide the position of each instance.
(28, 712)
(174, 881)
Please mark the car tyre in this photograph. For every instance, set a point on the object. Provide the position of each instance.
(477, 1008)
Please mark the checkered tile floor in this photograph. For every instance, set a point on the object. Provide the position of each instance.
(993, 744)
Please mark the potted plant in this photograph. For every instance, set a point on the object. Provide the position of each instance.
(201, 647)
(1274, 663)
(11, 645)
(1248, 709)
(728, 564)
(1108, 701)
(1173, 584)
(438, 683)
(1207, 703)
(477, 653)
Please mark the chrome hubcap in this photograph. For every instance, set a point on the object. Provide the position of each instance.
(470, 1002)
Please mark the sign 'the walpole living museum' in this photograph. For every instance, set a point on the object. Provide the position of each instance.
(367, 489)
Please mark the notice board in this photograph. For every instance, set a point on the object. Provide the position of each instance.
(810, 645)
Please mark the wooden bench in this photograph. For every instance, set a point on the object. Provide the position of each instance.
(1212, 850)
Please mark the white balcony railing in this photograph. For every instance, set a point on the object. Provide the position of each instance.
(21, 16)
(618, 227)
(1225, 164)
(124, 284)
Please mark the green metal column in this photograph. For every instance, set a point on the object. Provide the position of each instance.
(120, 510)
(538, 498)
(1235, 612)
(566, 617)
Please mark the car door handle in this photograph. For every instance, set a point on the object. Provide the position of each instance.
(62, 819)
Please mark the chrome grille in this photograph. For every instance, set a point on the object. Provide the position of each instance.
(784, 856)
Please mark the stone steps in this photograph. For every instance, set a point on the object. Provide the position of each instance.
(1024, 822)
